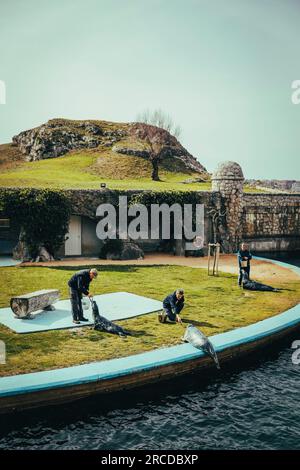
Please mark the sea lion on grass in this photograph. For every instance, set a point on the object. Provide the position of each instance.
(253, 285)
(102, 324)
(198, 339)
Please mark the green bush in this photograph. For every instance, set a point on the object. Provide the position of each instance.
(42, 215)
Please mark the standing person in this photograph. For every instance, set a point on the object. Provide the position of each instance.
(79, 285)
(244, 258)
(173, 304)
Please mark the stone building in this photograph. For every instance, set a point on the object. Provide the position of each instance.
(270, 222)
(228, 180)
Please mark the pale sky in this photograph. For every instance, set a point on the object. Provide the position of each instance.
(222, 69)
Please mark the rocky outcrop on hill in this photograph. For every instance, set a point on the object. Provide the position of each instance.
(292, 186)
(59, 136)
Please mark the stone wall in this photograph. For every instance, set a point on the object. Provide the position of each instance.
(228, 180)
(85, 202)
(292, 186)
(271, 222)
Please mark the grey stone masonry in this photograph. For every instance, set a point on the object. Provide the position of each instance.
(228, 180)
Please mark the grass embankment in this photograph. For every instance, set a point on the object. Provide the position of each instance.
(214, 304)
(87, 169)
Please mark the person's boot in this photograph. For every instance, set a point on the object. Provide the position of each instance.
(83, 319)
(162, 317)
(77, 322)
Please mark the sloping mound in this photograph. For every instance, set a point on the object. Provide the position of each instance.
(59, 136)
(10, 156)
(120, 166)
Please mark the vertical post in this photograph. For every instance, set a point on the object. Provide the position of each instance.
(214, 265)
(218, 256)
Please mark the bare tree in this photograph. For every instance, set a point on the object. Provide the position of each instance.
(160, 119)
(157, 129)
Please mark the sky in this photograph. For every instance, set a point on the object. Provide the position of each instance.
(222, 69)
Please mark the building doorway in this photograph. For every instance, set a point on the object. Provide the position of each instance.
(73, 242)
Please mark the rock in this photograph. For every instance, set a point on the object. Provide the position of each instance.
(122, 250)
(125, 150)
(276, 186)
(194, 180)
(43, 255)
(296, 187)
(53, 139)
(21, 250)
(131, 251)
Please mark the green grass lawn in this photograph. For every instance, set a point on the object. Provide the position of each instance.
(216, 303)
(86, 170)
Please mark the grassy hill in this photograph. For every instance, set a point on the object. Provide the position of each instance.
(83, 154)
(87, 169)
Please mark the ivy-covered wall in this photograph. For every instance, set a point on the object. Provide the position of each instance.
(268, 221)
(41, 217)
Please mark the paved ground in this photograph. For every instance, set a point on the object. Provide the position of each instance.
(261, 270)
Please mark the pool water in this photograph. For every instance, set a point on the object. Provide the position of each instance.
(250, 404)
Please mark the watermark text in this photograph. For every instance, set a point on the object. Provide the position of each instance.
(2, 92)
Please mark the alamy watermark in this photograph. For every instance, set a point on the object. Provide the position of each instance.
(158, 222)
(2, 92)
(295, 97)
(296, 353)
(2, 352)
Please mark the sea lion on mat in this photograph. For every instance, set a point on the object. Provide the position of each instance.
(102, 324)
(198, 339)
(253, 285)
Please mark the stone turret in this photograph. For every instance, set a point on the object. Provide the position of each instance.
(228, 180)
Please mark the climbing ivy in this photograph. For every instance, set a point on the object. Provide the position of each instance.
(167, 197)
(41, 214)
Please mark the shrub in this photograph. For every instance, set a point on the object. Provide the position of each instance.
(42, 216)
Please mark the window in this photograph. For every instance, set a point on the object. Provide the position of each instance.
(4, 223)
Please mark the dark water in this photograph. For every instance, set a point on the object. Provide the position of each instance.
(254, 404)
(286, 257)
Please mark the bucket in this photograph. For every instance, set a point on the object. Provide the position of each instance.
(85, 303)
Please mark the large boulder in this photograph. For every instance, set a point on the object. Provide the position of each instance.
(121, 250)
(57, 137)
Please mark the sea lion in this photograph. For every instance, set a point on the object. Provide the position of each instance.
(198, 339)
(253, 285)
(102, 324)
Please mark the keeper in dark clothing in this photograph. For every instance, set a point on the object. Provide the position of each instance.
(79, 285)
(244, 258)
(173, 304)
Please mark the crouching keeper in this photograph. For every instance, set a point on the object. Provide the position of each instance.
(172, 306)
